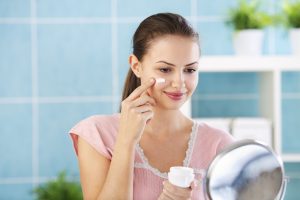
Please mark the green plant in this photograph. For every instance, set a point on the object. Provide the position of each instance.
(59, 189)
(291, 13)
(247, 15)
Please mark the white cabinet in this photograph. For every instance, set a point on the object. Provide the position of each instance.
(270, 69)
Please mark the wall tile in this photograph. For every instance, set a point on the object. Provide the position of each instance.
(291, 82)
(292, 190)
(144, 8)
(267, 46)
(227, 83)
(14, 8)
(290, 125)
(74, 8)
(15, 60)
(125, 35)
(75, 60)
(212, 42)
(56, 148)
(16, 191)
(292, 171)
(214, 7)
(282, 42)
(16, 140)
(225, 108)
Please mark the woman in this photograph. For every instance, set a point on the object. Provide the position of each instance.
(128, 155)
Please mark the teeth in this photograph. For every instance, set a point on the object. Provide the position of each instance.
(160, 80)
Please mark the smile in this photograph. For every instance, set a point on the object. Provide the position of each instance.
(176, 96)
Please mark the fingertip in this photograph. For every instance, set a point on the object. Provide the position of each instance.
(194, 184)
(152, 80)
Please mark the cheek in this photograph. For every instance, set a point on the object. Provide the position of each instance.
(191, 83)
(156, 89)
(146, 75)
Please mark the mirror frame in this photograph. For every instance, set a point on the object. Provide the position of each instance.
(233, 146)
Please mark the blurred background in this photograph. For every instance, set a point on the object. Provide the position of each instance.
(62, 61)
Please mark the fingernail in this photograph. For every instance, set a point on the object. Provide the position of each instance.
(151, 80)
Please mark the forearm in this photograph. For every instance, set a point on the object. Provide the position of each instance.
(119, 180)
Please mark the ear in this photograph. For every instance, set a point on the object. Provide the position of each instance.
(135, 65)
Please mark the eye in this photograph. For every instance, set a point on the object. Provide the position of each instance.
(190, 70)
(165, 69)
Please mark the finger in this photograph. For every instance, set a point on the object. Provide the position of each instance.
(163, 196)
(167, 195)
(143, 100)
(138, 91)
(177, 191)
(144, 108)
(194, 184)
(145, 93)
(148, 116)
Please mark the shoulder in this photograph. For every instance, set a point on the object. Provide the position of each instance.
(107, 122)
(99, 131)
(101, 119)
(211, 131)
(217, 137)
(208, 142)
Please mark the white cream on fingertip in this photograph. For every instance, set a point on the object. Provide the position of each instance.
(160, 80)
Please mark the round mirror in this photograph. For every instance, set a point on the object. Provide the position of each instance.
(246, 170)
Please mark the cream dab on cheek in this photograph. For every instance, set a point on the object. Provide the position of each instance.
(160, 80)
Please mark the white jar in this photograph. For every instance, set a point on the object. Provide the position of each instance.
(181, 176)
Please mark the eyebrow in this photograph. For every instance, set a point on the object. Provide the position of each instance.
(161, 61)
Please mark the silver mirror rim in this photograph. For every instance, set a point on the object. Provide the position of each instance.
(234, 146)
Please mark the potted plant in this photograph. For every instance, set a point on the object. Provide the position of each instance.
(248, 22)
(291, 15)
(59, 189)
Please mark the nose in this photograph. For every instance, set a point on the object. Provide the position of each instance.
(178, 80)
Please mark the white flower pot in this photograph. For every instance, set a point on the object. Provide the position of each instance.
(295, 41)
(248, 42)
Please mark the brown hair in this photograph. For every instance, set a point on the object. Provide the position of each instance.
(152, 27)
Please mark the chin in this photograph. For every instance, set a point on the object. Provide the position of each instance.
(171, 106)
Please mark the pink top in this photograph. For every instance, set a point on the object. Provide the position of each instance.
(205, 142)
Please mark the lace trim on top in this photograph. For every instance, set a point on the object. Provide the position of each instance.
(185, 162)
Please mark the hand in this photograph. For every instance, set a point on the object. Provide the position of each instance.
(136, 110)
(172, 192)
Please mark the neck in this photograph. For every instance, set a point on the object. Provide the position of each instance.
(166, 122)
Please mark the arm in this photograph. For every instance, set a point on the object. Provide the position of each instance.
(93, 169)
(103, 179)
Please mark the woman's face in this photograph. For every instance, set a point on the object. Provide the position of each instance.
(175, 59)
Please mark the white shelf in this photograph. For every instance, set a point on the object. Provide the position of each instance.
(248, 64)
(291, 157)
(270, 69)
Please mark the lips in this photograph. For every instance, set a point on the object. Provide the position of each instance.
(175, 95)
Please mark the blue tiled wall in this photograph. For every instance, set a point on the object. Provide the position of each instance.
(293, 185)
(71, 63)
(61, 61)
(15, 62)
(15, 8)
(73, 8)
(290, 112)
